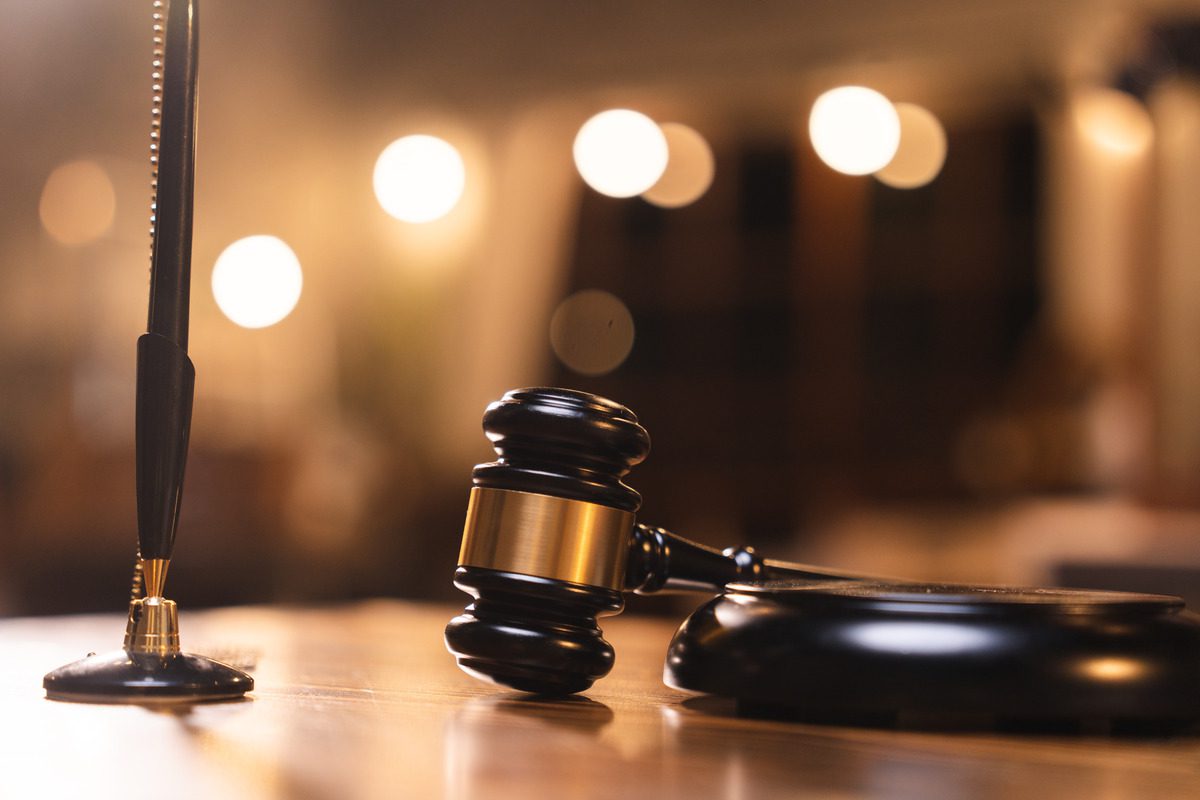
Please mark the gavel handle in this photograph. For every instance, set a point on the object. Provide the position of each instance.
(661, 561)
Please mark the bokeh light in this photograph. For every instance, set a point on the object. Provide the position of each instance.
(855, 130)
(592, 332)
(419, 178)
(1113, 120)
(922, 150)
(689, 170)
(256, 281)
(78, 202)
(620, 153)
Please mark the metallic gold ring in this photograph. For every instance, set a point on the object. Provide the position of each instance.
(153, 627)
(546, 536)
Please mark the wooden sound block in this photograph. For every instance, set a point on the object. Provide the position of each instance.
(898, 653)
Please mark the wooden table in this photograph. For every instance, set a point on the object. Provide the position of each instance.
(363, 702)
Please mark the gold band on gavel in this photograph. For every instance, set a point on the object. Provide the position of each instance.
(548, 537)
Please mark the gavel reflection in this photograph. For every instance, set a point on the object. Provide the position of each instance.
(551, 542)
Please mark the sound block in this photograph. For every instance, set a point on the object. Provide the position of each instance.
(943, 654)
(124, 677)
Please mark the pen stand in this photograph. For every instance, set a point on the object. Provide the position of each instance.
(150, 668)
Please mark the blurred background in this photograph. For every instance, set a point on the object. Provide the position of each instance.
(946, 328)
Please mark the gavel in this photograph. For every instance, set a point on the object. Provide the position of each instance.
(551, 543)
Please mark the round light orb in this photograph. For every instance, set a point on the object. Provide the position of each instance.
(256, 281)
(591, 332)
(78, 202)
(922, 150)
(689, 170)
(620, 153)
(1113, 120)
(419, 178)
(855, 130)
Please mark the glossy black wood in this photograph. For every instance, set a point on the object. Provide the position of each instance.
(533, 634)
(563, 443)
(943, 654)
(663, 561)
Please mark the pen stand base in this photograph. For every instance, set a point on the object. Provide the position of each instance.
(150, 669)
(125, 677)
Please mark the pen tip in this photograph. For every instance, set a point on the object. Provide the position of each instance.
(154, 574)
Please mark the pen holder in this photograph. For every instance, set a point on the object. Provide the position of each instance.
(150, 669)
(153, 627)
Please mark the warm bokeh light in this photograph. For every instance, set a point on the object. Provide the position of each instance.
(592, 332)
(78, 202)
(1113, 120)
(620, 153)
(855, 130)
(1113, 669)
(419, 178)
(689, 170)
(922, 150)
(256, 281)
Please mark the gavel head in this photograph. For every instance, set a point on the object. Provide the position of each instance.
(546, 540)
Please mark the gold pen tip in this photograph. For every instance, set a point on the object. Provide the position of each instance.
(154, 575)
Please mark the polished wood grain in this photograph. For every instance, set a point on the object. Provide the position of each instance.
(364, 702)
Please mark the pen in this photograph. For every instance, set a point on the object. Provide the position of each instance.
(165, 375)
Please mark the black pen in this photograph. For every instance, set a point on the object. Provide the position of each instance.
(165, 376)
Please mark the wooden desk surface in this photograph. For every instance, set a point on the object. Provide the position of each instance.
(363, 702)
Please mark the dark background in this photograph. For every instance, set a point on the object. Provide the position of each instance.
(993, 377)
